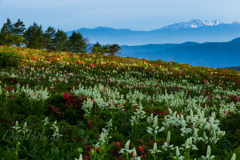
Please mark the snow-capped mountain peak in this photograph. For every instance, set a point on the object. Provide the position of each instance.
(236, 22)
(195, 23)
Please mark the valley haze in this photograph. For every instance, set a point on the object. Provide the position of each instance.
(198, 43)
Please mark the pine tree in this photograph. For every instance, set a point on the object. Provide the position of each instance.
(9, 26)
(113, 49)
(61, 42)
(48, 38)
(33, 36)
(18, 29)
(6, 33)
(78, 44)
(3, 35)
(101, 49)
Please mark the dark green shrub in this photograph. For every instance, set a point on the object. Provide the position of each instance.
(9, 58)
(63, 109)
(231, 126)
(23, 105)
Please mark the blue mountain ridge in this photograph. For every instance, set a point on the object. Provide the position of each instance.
(176, 33)
(198, 43)
(209, 54)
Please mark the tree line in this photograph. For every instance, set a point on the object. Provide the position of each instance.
(15, 34)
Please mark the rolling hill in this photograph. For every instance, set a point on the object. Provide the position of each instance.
(215, 54)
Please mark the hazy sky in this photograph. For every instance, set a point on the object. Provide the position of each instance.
(139, 15)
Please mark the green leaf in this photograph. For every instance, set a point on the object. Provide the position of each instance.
(237, 152)
(226, 153)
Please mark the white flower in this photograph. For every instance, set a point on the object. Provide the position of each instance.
(126, 148)
(168, 137)
(208, 154)
(16, 126)
(177, 152)
(127, 145)
(45, 121)
(221, 134)
(154, 150)
(234, 156)
(80, 157)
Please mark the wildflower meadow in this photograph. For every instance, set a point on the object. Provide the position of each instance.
(66, 106)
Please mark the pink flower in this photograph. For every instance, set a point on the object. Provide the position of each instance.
(66, 96)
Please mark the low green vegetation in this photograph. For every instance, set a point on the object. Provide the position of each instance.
(64, 105)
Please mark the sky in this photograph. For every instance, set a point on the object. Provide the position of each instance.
(137, 15)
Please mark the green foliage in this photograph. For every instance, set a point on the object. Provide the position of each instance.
(60, 108)
(232, 127)
(23, 105)
(78, 130)
(33, 36)
(10, 35)
(77, 43)
(15, 39)
(68, 131)
(6, 118)
(113, 49)
(18, 30)
(9, 58)
(60, 41)
(100, 49)
(3, 35)
(48, 38)
(237, 152)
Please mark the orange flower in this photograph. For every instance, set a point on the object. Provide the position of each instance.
(80, 62)
(141, 149)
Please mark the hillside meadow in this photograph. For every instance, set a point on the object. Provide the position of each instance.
(59, 106)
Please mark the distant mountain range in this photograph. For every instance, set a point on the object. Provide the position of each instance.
(194, 30)
(209, 54)
(194, 24)
(234, 68)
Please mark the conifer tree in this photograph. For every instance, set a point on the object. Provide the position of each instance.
(9, 26)
(3, 35)
(61, 42)
(33, 36)
(100, 49)
(48, 38)
(18, 29)
(6, 33)
(78, 44)
(113, 49)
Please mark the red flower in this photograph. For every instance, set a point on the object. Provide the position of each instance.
(98, 149)
(151, 142)
(141, 149)
(86, 157)
(78, 139)
(66, 96)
